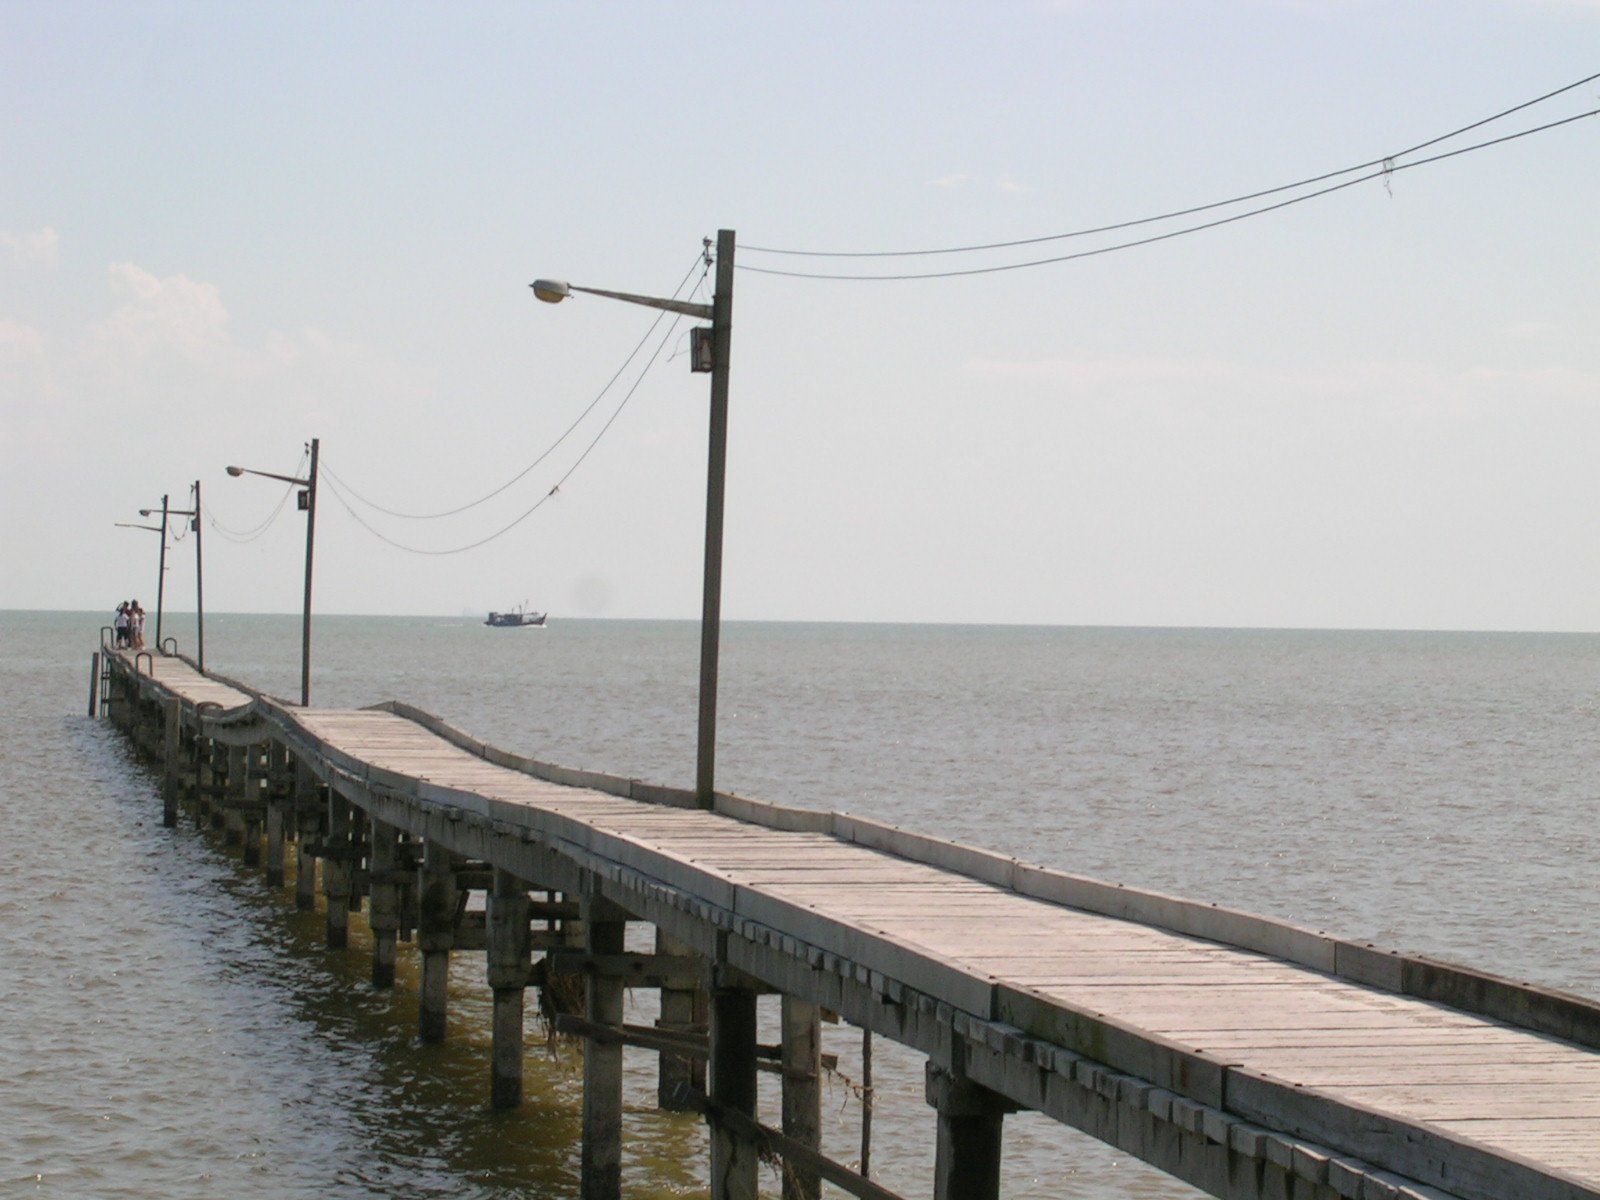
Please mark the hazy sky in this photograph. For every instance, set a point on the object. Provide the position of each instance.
(226, 229)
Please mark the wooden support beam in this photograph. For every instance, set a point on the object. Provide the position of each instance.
(683, 1009)
(202, 779)
(252, 801)
(641, 1036)
(509, 961)
(767, 1140)
(436, 925)
(801, 1023)
(600, 1165)
(356, 855)
(336, 873)
(634, 970)
(216, 782)
(383, 905)
(553, 910)
(172, 759)
(233, 818)
(277, 817)
(689, 1045)
(253, 819)
(967, 1156)
(734, 1162)
(308, 830)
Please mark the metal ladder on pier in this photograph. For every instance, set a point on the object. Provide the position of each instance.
(100, 673)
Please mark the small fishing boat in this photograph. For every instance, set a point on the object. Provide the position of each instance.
(519, 618)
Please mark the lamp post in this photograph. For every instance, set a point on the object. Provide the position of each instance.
(161, 573)
(710, 352)
(199, 575)
(308, 501)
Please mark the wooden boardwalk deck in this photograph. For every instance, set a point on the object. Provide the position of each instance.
(1256, 1052)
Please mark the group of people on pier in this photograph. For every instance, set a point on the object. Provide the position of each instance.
(129, 626)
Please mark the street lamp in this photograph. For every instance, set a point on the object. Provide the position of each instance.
(161, 575)
(710, 353)
(308, 502)
(199, 572)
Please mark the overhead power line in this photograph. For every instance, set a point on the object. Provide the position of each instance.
(249, 535)
(338, 488)
(1375, 168)
(549, 450)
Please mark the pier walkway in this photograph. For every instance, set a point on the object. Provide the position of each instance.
(1251, 1058)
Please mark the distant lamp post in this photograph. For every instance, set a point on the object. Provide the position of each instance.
(710, 349)
(161, 571)
(199, 574)
(308, 504)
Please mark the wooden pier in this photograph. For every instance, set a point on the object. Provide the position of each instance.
(1253, 1059)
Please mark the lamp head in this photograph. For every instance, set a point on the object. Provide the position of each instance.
(145, 512)
(236, 471)
(551, 291)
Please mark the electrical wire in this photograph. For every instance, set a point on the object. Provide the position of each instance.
(1388, 161)
(327, 470)
(243, 537)
(338, 491)
(1386, 171)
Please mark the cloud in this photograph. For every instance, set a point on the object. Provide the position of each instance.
(950, 181)
(19, 342)
(176, 316)
(32, 248)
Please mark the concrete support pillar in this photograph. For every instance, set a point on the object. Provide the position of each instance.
(437, 899)
(509, 960)
(336, 871)
(734, 1162)
(967, 1158)
(600, 1166)
(383, 906)
(801, 1051)
(171, 759)
(683, 1010)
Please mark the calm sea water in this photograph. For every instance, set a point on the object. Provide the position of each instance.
(169, 1026)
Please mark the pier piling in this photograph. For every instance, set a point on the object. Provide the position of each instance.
(308, 818)
(801, 1056)
(684, 1011)
(172, 759)
(383, 900)
(600, 1167)
(234, 802)
(336, 871)
(734, 1162)
(967, 1155)
(509, 961)
(436, 923)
